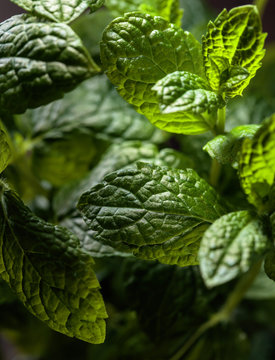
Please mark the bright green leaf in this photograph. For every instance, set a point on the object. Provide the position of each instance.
(189, 96)
(45, 267)
(233, 49)
(168, 9)
(137, 51)
(93, 108)
(5, 151)
(257, 166)
(59, 10)
(39, 62)
(153, 212)
(230, 246)
(225, 148)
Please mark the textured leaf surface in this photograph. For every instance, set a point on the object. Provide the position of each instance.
(168, 9)
(77, 225)
(137, 51)
(153, 212)
(118, 156)
(39, 62)
(44, 265)
(257, 166)
(59, 10)
(5, 151)
(225, 148)
(230, 246)
(94, 108)
(233, 41)
(181, 92)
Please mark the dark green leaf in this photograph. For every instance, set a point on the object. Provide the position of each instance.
(59, 10)
(230, 246)
(45, 267)
(153, 212)
(5, 150)
(39, 62)
(269, 265)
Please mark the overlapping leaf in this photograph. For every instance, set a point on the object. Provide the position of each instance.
(137, 51)
(225, 148)
(230, 246)
(257, 166)
(39, 62)
(153, 212)
(233, 49)
(5, 150)
(168, 9)
(59, 10)
(93, 108)
(45, 267)
(190, 96)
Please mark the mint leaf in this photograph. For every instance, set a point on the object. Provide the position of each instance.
(59, 10)
(39, 62)
(117, 157)
(120, 7)
(190, 97)
(257, 166)
(77, 225)
(5, 150)
(52, 161)
(153, 212)
(168, 9)
(225, 148)
(45, 267)
(233, 49)
(149, 49)
(93, 108)
(230, 246)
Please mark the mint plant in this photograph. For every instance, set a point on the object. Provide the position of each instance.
(101, 171)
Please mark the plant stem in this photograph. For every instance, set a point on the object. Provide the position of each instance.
(261, 5)
(220, 121)
(215, 172)
(225, 312)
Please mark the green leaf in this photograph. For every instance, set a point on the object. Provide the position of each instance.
(93, 108)
(257, 166)
(233, 49)
(45, 267)
(230, 246)
(225, 148)
(59, 10)
(189, 96)
(168, 9)
(117, 157)
(5, 150)
(77, 225)
(269, 265)
(120, 7)
(64, 158)
(137, 51)
(39, 62)
(153, 212)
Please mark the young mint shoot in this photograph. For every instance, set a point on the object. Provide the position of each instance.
(119, 163)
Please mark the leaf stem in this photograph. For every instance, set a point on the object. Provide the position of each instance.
(215, 172)
(221, 120)
(225, 312)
